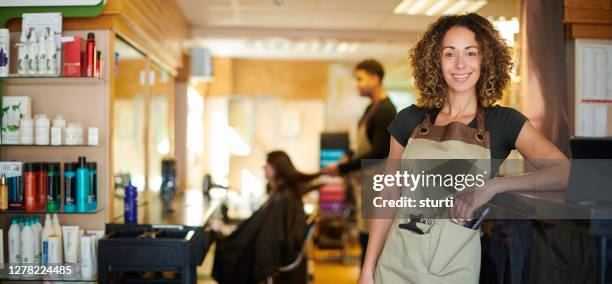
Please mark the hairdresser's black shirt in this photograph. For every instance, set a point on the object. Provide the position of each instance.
(376, 129)
(503, 123)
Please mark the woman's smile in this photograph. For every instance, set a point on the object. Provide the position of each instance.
(461, 77)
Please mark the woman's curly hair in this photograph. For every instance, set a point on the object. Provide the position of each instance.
(494, 71)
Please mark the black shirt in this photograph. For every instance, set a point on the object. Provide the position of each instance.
(503, 123)
(376, 128)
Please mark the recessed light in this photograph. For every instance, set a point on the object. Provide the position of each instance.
(438, 7)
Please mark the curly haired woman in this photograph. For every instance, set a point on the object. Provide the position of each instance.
(461, 66)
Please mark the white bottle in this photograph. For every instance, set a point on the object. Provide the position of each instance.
(74, 134)
(58, 231)
(51, 49)
(57, 130)
(5, 44)
(47, 231)
(27, 244)
(86, 258)
(1, 247)
(33, 53)
(26, 133)
(22, 55)
(41, 130)
(42, 52)
(14, 242)
(37, 233)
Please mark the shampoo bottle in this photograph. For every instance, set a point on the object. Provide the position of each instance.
(47, 231)
(58, 231)
(83, 186)
(37, 234)
(27, 244)
(14, 242)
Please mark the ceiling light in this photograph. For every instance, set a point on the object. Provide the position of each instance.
(438, 7)
(343, 47)
(417, 7)
(476, 6)
(353, 47)
(455, 7)
(402, 7)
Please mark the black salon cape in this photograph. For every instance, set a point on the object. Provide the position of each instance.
(270, 238)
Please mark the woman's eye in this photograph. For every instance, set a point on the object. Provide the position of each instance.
(449, 54)
(472, 53)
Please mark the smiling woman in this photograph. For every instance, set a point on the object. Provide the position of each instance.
(461, 66)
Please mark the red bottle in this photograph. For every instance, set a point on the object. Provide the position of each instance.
(41, 176)
(90, 53)
(30, 174)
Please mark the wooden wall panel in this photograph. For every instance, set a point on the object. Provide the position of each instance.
(286, 79)
(589, 4)
(588, 18)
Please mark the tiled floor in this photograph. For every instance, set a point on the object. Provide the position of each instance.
(326, 267)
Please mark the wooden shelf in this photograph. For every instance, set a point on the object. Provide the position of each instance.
(47, 146)
(51, 80)
(38, 212)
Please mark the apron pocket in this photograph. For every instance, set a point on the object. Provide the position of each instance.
(404, 257)
(456, 253)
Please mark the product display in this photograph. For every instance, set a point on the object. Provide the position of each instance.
(42, 129)
(14, 108)
(27, 131)
(41, 186)
(14, 242)
(74, 134)
(90, 55)
(57, 130)
(54, 183)
(30, 186)
(46, 232)
(130, 206)
(83, 187)
(58, 231)
(22, 56)
(92, 200)
(71, 239)
(28, 242)
(2, 246)
(39, 42)
(72, 57)
(13, 173)
(70, 187)
(86, 260)
(3, 193)
(54, 249)
(5, 45)
(92, 136)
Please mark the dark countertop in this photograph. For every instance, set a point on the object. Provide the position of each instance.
(190, 208)
(551, 207)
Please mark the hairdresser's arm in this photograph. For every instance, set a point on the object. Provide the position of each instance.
(552, 171)
(379, 228)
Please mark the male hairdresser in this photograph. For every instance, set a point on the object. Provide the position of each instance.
(372, 139)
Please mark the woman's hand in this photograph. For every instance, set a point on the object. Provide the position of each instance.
(366, 278)
(469, 201)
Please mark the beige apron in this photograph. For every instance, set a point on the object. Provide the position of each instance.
(447, 252)
(362, 146)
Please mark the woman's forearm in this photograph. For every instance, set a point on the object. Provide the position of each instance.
(550, 175)
(379, 228)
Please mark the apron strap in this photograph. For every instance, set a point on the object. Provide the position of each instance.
(480, 124)
(426, 124)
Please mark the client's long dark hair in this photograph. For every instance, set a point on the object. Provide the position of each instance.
(286, 175)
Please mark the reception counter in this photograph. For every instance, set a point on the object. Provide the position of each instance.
(554, 239)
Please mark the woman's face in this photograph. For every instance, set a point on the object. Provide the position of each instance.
(460, 60)
(269, 171)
